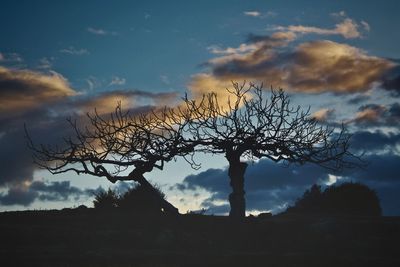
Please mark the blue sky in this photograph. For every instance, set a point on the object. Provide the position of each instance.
(66, 56)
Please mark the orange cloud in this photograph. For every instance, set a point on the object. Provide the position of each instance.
(323, 114)
(313, 67)
(22, 90)
(329, 66)
(369, 114)
(107, 102)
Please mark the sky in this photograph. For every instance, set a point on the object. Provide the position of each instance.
(61, 59)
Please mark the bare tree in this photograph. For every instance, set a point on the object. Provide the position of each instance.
(119, 146)
(248, 126)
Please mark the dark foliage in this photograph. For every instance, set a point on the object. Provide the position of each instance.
(138, 199)
(345, 199)
(142, 199)
(105, 200)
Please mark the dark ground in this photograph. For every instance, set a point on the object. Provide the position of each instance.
(90, 238)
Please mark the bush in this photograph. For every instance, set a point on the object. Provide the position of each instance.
(344, 199)
(142, 199)
(139, 199)
(105, 199)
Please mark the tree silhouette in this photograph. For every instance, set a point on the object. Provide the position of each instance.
(248, 126)
(120, 146)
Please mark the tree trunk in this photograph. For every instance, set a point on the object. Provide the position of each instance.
(236, 198)
(165, 205)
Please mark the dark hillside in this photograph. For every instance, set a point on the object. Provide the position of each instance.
(87, 237)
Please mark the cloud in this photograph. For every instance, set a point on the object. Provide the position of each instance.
(252, 13)
(365, 25)
(391, 80)
(16, 158)
(204, 83)
(93, 82)
(258, 14)
(11, 58)
(45, 63)
(312, 67)
(98, 31)
(23, 90)
(375, 142)
(115, 80)
(243, 48)
(359, 98)
(26, 193)
(348, 28)
(74, 51)
(323, 115)
(135, 100)
(339, 14)
(165, 79)
(328, 66)
(377, 115)
(369, 113)
(18, 196)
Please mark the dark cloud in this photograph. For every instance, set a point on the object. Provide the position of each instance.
(26, 193)
(18, 196)
(382, 169)
(391, 81)
(374, 142)
(55, 190)
(359, 98)
(16, 161)
(394, 114)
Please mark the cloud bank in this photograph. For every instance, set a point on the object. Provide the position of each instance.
(315, 66)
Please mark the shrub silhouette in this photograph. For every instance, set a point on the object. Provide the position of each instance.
(139, 199)
(344, 199)
(142, 199)
(105, 200)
